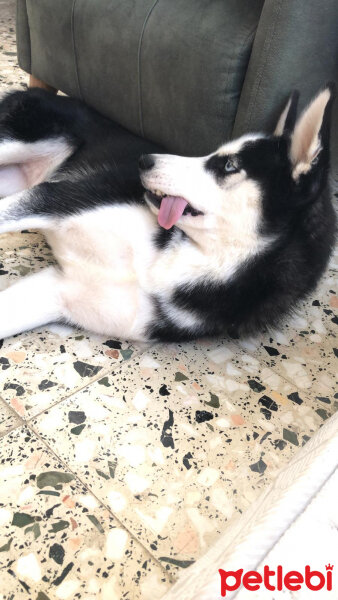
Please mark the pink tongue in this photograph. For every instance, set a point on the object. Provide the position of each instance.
(171, 210)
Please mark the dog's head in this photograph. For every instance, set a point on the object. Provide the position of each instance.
(254, 180)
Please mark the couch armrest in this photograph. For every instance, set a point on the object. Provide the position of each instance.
(23, 40)
(295, 47)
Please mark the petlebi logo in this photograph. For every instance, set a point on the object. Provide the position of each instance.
(276, 579)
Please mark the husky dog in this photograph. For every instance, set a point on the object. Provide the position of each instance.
(151, 246)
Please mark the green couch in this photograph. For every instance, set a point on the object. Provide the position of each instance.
(187, 74)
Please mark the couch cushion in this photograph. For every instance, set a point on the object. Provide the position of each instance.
(194, 59)
(170, 70)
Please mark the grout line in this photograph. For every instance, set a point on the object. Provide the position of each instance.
(105, 371)
(92, 493)
(11, 409)
(69, 395)
(20, 423)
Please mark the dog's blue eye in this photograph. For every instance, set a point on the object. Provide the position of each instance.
(230, 167)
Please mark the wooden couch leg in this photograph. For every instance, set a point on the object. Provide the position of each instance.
(35, 82)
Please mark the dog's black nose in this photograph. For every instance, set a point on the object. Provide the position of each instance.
(146, 162)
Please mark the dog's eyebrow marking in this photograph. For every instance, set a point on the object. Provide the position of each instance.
(234, 146)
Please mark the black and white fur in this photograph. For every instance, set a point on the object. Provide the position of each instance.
(253, 240)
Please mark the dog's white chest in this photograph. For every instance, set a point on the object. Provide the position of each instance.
(105, 255)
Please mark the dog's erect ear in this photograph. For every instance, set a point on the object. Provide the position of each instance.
(286, 121)
(311, 136)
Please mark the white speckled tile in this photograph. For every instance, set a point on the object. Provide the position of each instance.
(22, 253)
(180, 440)
(259, 373)
(305, 351)
(8, 419)
(57, 541)
(39, 369)
(10, 72)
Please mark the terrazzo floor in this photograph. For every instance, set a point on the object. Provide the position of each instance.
(121, 464)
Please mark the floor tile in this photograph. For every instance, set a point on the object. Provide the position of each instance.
(177, 443)
(8, 419)
(10, 72)
(305, 351)
(57, 541)
(21, 254)
(40, 368)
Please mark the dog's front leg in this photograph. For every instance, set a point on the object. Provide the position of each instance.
(33, 301)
